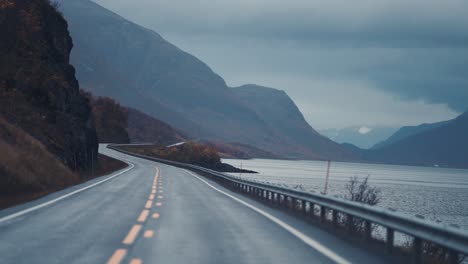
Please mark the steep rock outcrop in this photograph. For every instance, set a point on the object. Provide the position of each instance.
(38, 90)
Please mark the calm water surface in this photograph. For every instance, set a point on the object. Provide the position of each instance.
(437, 193)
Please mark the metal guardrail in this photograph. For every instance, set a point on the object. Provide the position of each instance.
(452, 239)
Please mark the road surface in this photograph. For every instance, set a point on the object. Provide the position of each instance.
(155, 213)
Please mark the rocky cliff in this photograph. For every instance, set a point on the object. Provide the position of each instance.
(39, 93)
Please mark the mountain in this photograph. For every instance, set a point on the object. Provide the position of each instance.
(118, 124)
(284, 119)
(46, 126)
(445, 145)
(360, 136)
(137, 67)
(143, 128)
(408, 131)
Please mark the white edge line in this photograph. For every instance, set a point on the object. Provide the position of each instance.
(39, 206)
(303, 237)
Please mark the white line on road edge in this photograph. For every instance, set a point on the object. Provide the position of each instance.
(309, 241)
(34, 208)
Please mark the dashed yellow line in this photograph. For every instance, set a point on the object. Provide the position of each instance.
(117, 257)
(144, 214)
(148, 204)
(148, 233)
(119, 254)
(132, 235)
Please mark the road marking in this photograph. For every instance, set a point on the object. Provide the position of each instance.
(144, 214)
(148, 204)
(117, 257)
(37, 207)
(136, 261)
(148, 233)
(131, 236)
(160, 196)
(155, 215)
(307, 240)
(151, 197)
(153, 191)
(158, 204)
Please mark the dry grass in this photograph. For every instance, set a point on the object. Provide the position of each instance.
(26, 165)
(28, 170)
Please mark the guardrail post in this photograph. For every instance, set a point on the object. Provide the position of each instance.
(323, 213)
(311, 211)
(304, 207)
(335, 218)
(350, 223)
(453, 257)
(289, 201)
(367, 230)
(417, 250)
(390, 240)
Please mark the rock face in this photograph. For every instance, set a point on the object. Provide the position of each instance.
(38, 89)
(136, 66)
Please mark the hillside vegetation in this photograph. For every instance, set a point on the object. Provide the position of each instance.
(110, 119)
(190, 152)
(27, 167)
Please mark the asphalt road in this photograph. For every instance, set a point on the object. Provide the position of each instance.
(155, 213)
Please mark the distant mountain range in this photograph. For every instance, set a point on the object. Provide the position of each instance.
(408, 131)
(443, 144)
(136, 66)
(362, 137)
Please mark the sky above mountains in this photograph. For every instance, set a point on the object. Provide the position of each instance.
(366, 62)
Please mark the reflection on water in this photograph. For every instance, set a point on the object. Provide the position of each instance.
(436, 193)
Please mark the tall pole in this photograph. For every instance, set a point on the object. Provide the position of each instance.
(326, 178)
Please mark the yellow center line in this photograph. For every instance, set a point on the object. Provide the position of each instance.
(148, 204)
(117, 257)
(131, 236)
(148, 233)
(136, 261)
(155, 215)
(144, 214)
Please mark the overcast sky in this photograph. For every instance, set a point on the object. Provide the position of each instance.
(345, 63)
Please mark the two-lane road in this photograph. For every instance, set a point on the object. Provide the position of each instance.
(155, 213)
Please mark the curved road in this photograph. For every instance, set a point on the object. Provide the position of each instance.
(155, 213)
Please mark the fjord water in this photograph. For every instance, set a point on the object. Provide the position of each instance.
(438, 194)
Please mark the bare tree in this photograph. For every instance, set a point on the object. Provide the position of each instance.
(361, 192)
